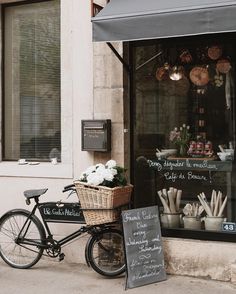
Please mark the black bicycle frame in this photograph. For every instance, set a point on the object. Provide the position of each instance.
(47, 243)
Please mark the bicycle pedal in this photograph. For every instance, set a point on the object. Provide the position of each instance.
(61, 256)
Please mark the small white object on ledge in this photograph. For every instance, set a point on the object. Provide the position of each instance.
(54, 160)
(34, 163)
(225, 156)
(22, 161)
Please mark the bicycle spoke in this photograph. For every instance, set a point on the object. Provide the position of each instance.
(106, 254)
(5, 231)
(18, 255)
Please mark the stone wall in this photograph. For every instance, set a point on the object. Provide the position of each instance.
(108, 97)
(197, 258)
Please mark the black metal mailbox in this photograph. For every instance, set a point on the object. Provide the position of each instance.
(96, 135)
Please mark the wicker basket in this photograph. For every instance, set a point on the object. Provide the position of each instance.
(103, 216)
(102, 204)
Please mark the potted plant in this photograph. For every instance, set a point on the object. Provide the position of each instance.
(181, 137)
(101, 188)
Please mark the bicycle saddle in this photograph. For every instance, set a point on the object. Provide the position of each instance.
(34, 193)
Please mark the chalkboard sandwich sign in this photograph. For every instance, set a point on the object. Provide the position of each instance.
(143, 247)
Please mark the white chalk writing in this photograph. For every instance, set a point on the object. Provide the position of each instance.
(143, 245)
(174, 176)
(183, 164)
(61, 211)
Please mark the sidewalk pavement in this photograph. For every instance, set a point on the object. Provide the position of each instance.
(63, 278)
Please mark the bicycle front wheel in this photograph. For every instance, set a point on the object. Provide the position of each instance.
(17, 254)
(105, 252)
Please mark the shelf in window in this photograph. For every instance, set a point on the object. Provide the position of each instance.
(192, 158)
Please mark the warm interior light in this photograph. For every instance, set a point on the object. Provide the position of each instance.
(176, 73)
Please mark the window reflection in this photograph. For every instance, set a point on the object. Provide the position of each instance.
(184, 129)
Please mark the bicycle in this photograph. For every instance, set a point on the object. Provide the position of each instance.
(24, 239)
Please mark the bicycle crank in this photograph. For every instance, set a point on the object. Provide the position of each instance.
(54, 250)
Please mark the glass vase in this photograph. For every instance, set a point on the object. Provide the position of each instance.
(183, 149)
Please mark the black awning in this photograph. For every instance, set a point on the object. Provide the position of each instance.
(127, 20)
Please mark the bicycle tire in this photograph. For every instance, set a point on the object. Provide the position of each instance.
(105, 252)
(15, 255)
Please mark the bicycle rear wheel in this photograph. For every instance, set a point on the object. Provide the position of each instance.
(105, 253)
(20, 255)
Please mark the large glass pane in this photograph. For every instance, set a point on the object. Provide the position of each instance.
(32, 81)
(184, 130)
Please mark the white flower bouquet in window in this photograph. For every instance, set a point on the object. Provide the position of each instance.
(102, 189)
(181, 137)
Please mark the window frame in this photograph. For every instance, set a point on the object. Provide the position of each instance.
(64, 169)
(173, 232)
(4, 7)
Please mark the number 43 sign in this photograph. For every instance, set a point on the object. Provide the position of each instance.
(229, 227)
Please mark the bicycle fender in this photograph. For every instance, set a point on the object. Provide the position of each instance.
(86, 252)
(26, 212)
(14, 210)
(87, 244)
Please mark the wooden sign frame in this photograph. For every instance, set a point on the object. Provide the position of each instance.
(143, 247)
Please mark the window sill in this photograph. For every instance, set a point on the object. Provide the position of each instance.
(42, 170)
(199, 235)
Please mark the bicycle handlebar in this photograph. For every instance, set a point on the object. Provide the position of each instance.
(69, 188)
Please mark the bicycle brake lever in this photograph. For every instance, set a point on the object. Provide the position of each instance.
(72, 192)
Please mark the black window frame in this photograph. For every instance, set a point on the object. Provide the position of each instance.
(174, 232)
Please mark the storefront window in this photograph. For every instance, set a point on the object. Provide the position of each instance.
(184, 132)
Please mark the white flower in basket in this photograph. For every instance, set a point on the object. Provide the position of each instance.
(103, 188)
(108, 175)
